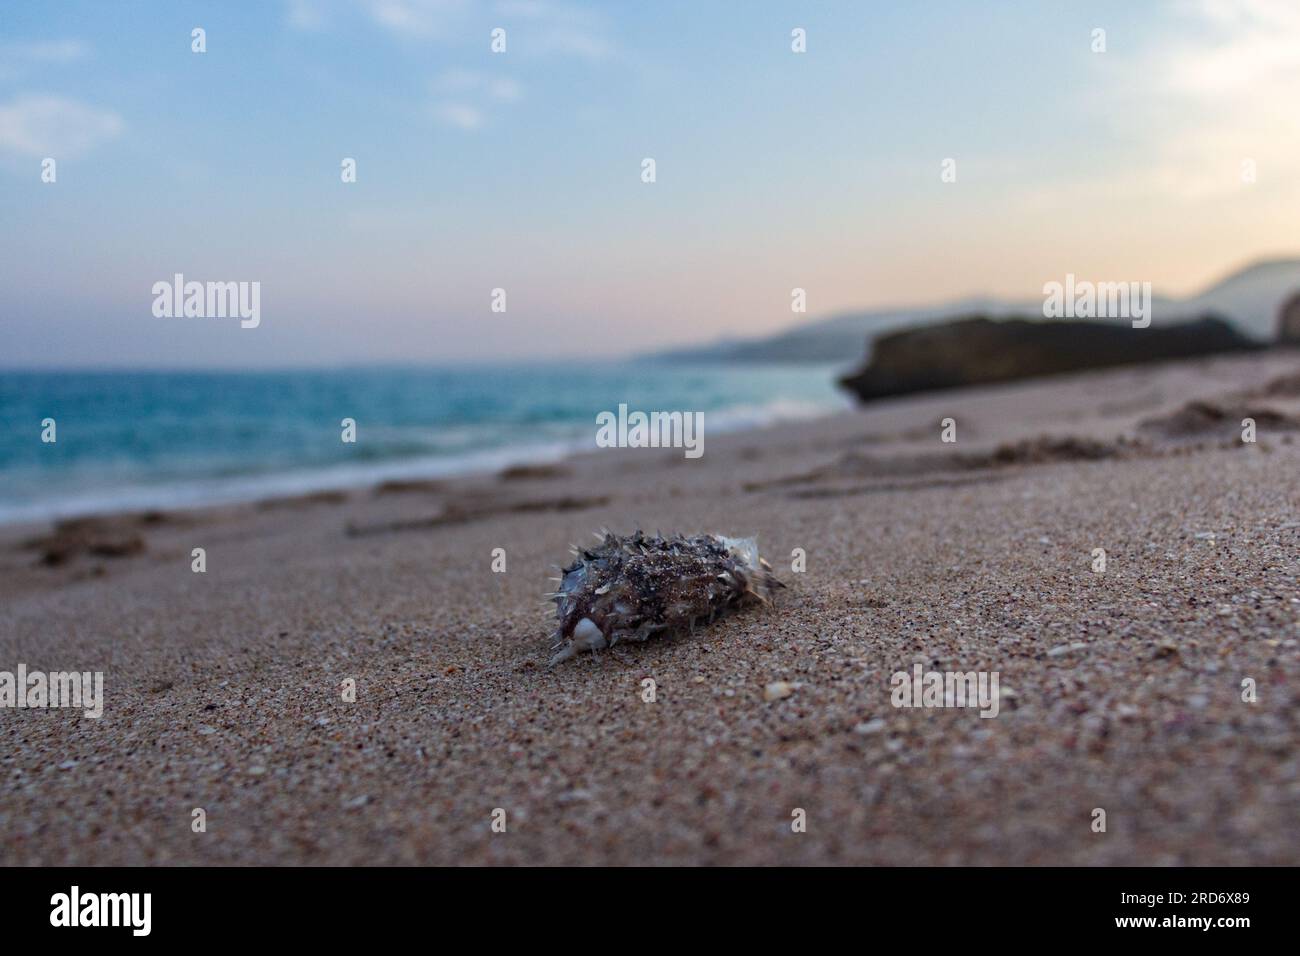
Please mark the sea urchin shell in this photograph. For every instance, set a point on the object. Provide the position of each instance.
(627, 588)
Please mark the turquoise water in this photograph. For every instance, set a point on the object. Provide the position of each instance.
(129, 440)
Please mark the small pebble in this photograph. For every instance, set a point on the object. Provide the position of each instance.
(778, 690)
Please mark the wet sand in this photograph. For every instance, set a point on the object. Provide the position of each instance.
(1120, 690)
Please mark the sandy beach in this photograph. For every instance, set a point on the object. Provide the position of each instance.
(1120, 690)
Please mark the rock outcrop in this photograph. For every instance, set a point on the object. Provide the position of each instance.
(1288, 322)
(980, 351)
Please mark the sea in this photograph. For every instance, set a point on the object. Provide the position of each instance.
(142, 440)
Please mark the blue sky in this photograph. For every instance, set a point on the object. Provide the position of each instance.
(522, 170)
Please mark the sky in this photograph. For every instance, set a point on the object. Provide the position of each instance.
(522, 170)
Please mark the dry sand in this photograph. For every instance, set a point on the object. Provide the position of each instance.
(1121, 690)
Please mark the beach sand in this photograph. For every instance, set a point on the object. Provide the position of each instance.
(1120, 690)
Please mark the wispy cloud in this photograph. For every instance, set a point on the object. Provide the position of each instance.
(418, 19)
(1249, 46)
(465, 97)
(535, 27)
(45, 51)
(24, 56)
(460, 115)
(561, 29)
(1204, 95)
(307, 14)
(35, 124)
(1224, 87)
(409, 19)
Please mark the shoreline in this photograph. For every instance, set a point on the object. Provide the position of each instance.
(201, 494)
(1120, 690)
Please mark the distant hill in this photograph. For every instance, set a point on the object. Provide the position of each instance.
(1249, 299)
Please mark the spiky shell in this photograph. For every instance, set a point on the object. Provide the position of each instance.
(628, 588)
